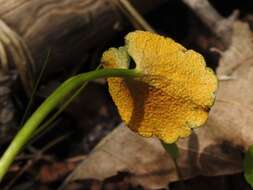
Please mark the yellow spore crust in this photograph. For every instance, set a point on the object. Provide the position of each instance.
(175, 93)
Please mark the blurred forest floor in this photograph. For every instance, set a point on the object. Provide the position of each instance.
(47, 162)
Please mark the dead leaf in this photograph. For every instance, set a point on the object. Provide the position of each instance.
(53, 172)
(149, 164)
(231, 117)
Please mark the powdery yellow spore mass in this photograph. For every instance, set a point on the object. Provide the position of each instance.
(174, 94)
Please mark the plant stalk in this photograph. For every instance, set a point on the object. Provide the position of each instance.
(48, 105)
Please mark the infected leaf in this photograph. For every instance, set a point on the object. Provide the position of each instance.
(174, 95)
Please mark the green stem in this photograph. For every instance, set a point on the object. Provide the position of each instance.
(49, 121)
(48, 105)
(173, 151)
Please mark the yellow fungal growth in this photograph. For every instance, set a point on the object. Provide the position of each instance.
(174, 94)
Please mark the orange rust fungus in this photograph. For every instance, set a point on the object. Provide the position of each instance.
(174, 94)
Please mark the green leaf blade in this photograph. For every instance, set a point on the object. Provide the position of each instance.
(248, 166)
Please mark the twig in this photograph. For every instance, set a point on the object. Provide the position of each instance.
(220, 26)
(133, 15)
